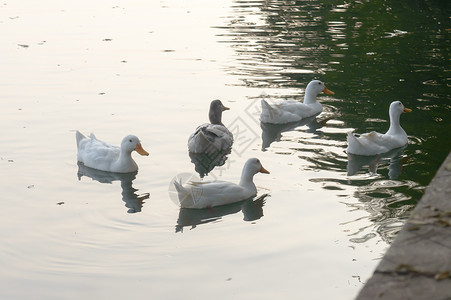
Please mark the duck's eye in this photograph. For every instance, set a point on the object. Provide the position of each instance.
(130, 140)
(319, 83)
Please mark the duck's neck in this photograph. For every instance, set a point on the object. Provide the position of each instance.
(395, 126)
(125, 160)
(215, 118)
(310, 97)
(247, 180)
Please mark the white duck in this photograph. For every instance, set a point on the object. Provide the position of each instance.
(291, 110)
(99, 155)
(215, 193)
(376, 143)
(211, 137)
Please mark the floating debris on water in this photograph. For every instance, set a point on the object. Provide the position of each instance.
(395, 33)
(363, 239)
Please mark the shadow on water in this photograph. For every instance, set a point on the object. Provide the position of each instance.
(273, 132)
(369, 53)
(394, 158)
(378, 182)
(133, 201)
(206, 162)
(252, 211)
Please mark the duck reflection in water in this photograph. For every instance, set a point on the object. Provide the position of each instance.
(207, 161)
(252, 211)
(133, 201)
(395, 158)
(273, 132)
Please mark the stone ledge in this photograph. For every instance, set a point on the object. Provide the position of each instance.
(418, 263)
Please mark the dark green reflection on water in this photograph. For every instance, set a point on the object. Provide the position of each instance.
(369, 53)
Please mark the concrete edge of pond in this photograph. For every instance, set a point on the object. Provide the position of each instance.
(418, 263)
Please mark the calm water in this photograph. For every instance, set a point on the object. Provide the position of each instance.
(151, 68)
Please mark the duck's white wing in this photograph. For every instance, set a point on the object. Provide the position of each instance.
(210, 194)
(214, 188)
(371, 143)
(286, 111)
(97, 154)
(294, 106)
(389, 142)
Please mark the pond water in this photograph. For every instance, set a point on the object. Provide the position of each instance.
(321, 221)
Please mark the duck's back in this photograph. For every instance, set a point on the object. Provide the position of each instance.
(214, 193)
(287, 111)
(212, 137)
(97, 154)
(373, 143)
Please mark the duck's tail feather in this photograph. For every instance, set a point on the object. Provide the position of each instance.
(350, 135)
(354, 145)
(185, 197)
(265, 105)
(79, 136)
(179, 187)
(268, 112)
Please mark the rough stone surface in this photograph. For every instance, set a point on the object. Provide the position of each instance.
(418, 263)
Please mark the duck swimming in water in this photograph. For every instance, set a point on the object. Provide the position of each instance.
(376, 143)
(291, 110)
(102, 156)
(214, 193)
(211, 137)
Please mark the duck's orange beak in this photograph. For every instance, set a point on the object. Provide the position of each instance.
(327, 91)
(140, 150)
(263, 170)
(406, 110)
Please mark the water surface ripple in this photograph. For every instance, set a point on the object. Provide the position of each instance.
(368, 61)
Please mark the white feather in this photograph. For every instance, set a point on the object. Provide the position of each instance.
(291, 110)
(195, 194)
(102, 156)
(376, 143)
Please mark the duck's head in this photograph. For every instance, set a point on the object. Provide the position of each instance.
(131, 143)
(316, 86)
(215, 113)
(254, 166)
(397, 108)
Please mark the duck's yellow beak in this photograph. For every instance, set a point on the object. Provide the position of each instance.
(327, 91)
(225, 108)
(406, 110)
(263, 170)
(140, 150)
